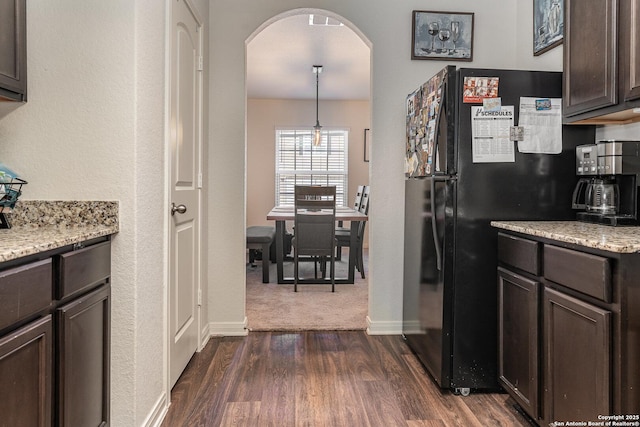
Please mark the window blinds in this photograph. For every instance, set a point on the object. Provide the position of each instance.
(298, 162)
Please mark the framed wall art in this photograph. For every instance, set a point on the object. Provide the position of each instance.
(367, 145)
(548, 25)
(445, 36)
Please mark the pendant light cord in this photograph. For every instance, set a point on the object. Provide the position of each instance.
(317, 136)
(317, 95)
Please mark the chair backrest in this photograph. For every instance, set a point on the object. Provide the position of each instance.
(315, 216)
(364, 208)
(311, 197)
(358, 198)
(364, 201)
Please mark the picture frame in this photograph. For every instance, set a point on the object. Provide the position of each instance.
(367, 142)
(444, 36)
(548, 25)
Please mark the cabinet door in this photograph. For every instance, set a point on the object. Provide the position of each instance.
(630, 45)
(13, 50)
(25, 375)
(590, 55)
(83, 366)
(518, 347)
(577, 347)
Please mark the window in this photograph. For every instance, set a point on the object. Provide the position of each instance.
(298, 162)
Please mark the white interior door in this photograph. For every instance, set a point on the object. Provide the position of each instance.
(185, 165)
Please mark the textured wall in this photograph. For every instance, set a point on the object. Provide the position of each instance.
(499, 41)
(93, 128)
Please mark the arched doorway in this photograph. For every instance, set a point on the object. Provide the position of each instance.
(281, 94)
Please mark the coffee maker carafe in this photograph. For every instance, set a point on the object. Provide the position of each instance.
(608, 192)
(602, 196)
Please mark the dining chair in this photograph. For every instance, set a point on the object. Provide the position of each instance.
(314, 235)
(340, 227)
(343, 237)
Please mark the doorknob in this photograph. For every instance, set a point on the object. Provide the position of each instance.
(180, 209)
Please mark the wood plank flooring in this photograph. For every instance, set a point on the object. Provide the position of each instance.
(323, 378)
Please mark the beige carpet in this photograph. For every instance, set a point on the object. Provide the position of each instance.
(273, 307)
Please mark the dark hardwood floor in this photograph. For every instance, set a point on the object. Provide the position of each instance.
(321, 378)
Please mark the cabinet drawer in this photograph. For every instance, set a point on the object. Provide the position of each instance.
(25, 291)
(520, 253)
(586, 273)
(84, 268)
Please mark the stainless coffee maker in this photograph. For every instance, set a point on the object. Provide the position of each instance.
(607, 193)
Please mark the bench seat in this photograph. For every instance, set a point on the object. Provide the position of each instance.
(261, 237)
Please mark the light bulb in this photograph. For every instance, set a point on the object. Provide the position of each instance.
(317, 136)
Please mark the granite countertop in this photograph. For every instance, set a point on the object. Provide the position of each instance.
(612, 239)
(39, 226)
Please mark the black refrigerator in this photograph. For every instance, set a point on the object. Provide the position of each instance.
(454, 188)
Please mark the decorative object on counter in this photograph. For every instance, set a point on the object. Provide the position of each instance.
(548, 25)
(10, 190)
(444, 36)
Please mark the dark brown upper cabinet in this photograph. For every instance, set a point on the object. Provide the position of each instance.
(601, 61)
(630, 35)
(13, 50)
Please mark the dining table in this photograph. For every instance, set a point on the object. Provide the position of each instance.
(281, 214)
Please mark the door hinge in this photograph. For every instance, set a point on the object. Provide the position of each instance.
(200, 297)
(199, 180)
(200, 63)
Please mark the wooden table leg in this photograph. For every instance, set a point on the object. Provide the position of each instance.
(353, 239)
(280, 225)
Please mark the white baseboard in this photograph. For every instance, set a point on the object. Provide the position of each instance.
(157, 414)
(205, 334)
(383, 328)
(228, 329)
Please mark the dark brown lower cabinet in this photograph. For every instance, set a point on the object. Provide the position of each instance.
(55, 352)
(577, 345)
(83, 364)
(569, 322)
(26, 375)
(518, 347)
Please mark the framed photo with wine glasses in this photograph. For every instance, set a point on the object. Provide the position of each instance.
(444, 36)
(548, 25)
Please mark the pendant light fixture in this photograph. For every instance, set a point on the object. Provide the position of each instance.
(317, 136)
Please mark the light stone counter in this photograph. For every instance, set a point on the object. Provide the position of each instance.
(39, 226)
(612, 239)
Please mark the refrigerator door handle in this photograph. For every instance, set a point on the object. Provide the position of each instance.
(434, 225)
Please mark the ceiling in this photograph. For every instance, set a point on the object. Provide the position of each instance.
(280, 60)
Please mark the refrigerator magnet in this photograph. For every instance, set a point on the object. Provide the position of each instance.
(516, 133)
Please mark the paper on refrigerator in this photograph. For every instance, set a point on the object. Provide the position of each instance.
(541, 119)
(490, 135)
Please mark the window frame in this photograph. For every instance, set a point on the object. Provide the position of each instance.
(329, 175)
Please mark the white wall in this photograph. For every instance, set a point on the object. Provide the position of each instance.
(265, 115)
(94, 128)
(502, 40)
(548, 61)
